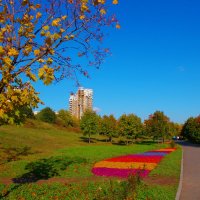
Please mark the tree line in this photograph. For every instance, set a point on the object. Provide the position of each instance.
(129, 126)
(157, 126)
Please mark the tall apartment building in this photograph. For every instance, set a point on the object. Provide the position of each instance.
(80, 102)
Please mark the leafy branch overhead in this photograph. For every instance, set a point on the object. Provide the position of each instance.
(46, 40)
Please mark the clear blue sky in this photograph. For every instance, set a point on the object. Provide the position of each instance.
(155, 63)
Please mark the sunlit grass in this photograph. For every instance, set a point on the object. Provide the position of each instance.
(64, 154)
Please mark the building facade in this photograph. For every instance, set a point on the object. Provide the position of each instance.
(80, 102)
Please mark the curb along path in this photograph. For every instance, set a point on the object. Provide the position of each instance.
(191, 172)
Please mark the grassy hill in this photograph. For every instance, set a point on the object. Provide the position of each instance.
(39, 151)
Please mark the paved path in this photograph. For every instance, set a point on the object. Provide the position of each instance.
(191, 172)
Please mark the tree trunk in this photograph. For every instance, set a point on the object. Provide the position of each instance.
(89, 139)
(163, 140)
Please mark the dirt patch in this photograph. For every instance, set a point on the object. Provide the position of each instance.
(8, 181)
(73, 180)
(156, 180)
(161, 180)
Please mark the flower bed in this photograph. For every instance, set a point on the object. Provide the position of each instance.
(123, 166)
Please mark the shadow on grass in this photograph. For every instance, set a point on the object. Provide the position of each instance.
(46, 168)
(146, 142)
(120, 143)
(95, 140)
(86, 139)
(9, 154)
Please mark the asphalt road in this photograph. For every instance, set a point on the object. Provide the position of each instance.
(191, 172)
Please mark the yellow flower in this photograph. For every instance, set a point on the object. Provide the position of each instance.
(13, 52)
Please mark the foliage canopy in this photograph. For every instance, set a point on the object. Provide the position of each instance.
(130, 126)
(39, 41)
(89, 123)
(191, 129)
(157, 125)
(47, 115)
(108, 126)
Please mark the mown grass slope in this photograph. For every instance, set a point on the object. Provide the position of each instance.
(40, 151)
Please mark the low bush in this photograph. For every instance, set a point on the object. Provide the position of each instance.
(46, 115)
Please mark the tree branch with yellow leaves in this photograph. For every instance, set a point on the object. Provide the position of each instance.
(37, 41)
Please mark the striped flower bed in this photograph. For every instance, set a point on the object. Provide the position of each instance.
(123, 166)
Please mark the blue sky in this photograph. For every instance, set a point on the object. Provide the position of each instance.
(155, 63)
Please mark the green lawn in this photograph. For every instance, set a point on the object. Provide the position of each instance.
(41, 151)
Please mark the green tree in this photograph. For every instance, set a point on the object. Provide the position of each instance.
(130, 126)
(89, 123)
(66, 118)
(37, 41)
(175, 129)
(47, 115)
(158, 126)
(108, 126)
(191, 129)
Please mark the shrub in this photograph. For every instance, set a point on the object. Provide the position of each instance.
(172, 144)
(47, 115)
(65, 118)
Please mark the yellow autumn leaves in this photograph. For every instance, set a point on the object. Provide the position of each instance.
(46, 74)
(13, 52)
(2, 51)
(30, 40)
(56, 22)
(36, 52)
(38, 15)
(96, 2)
(115, 2)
